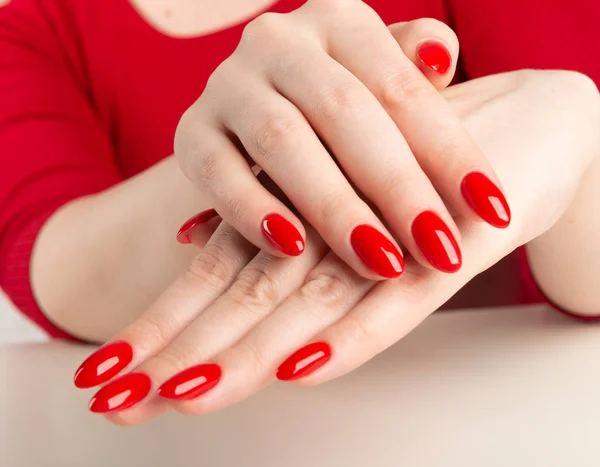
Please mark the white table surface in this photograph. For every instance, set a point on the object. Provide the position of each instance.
(495, 388)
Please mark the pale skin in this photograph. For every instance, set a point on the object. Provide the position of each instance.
(556, 215)
(239, 317)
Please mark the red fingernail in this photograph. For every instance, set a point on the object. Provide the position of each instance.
(376, 251)
(436, 56)
(283, 234)
(183, 236)
(486, 199)
(436, 242)
(191, 383)
(104, 364)
(121, 394)
(304, 361)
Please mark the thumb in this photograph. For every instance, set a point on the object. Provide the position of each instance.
(432, 46)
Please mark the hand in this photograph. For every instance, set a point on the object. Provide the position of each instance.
(331, 77)
(247, 314)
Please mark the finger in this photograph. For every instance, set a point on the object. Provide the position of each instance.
(209, 275)
(227, 181)
(198, 229)
(439, 141)
(328, 292)
(432, 46)
(391, 310)
(285, 146)
(264, 283)
(374, 156)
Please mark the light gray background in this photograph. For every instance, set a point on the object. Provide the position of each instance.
(15, 328)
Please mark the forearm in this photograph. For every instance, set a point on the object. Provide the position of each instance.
(101, 260)
(566, 259)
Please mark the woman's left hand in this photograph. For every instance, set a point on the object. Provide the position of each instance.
(248, 314)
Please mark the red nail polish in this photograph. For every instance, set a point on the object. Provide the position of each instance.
(104, 364)
(304, 361)
(486, 199)
(436, 56)
(191, 383)
(377, 252)
(183, 236)
(283, 234)
(436, 242)
(121, 394)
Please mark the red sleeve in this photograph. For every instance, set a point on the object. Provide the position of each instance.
(535, 293)
(510, 35)
(52, 148)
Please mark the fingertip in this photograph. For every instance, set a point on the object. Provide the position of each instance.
(184, 235)
(435, 56)
(432, 46)
(377, 252)
(283, 235)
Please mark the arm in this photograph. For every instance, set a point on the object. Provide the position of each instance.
(116, 251)
(106, 246)
(565, 260)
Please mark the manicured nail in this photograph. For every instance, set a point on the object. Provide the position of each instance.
(121, 394)
(183, 236)
(486, 199)
(191, 383)
(304, 361)
(436, 56)
(436, 242)
(104, 364)
(283, 234)
(378, 253)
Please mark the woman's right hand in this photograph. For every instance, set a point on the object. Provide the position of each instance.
(331, 79)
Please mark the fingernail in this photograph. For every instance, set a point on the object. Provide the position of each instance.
(191, 383)
(436, 56)
(183, 236)
(378, 253)
(436, 242)
(304, 361)
(121, 394)
(283, 234)
(486, 199)
(104, 364)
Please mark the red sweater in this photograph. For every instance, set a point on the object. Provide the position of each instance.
(90, 94)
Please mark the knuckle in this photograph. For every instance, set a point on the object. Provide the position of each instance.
(255, 289)
(397, 185)
(210, 268)
(357, 329)
(333, 205)
(271, 134)
(175, 359)
(449, 152)
(185, 140)
(198, 161)
(341, 101)
(255, 360)
(403, 89)
(328, 290)
(238, 209)
(158, 333)
(265, 27)
(219, 82)
(205, 167)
